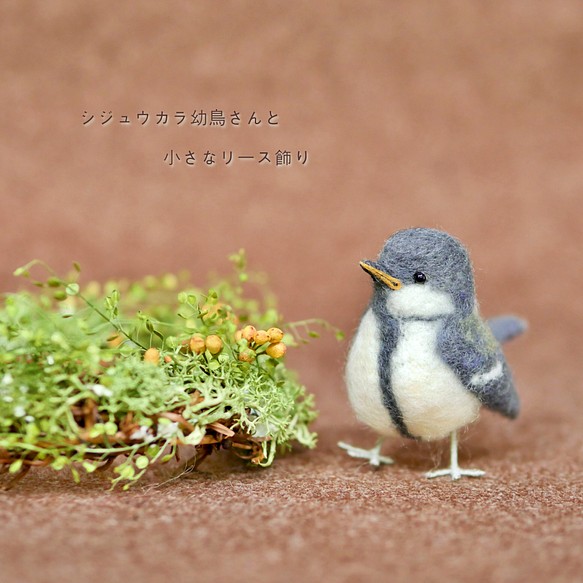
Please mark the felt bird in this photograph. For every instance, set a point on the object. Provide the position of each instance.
(423, 362)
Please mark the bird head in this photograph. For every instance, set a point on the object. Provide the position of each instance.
(423, 273)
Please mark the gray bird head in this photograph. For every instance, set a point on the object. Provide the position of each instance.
(423, 273)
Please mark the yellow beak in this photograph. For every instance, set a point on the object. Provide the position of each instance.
(389, 281)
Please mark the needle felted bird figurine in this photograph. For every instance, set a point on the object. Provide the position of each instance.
(423, 362)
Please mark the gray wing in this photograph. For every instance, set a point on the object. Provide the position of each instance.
(472, 351)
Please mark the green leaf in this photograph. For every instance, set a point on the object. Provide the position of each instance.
(15, 466)
(96, 431)
(214, 364)
(75, 474)
(110, 428)
(21, 271)
(125, 471)
(152, 330)
(59, 463)
(89, 467)
(72, 289)
(141, 462)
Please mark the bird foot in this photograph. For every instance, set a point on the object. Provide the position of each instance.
(455, 472)
(373, 455)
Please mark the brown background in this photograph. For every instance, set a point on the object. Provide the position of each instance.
(460, 115)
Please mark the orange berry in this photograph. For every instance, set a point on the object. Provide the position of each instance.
(276, 350)
(214, 344)
(152, 355)
(167, 359)
(115, 341)
(261, 337)
(247, 355)
(238, 335)
(275, 334)
(197, 344)
(249, 333)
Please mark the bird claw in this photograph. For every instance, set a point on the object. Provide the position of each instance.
(455, 472)
(373, 455)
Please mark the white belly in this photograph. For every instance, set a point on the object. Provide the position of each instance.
(430, 396)
(362, 378)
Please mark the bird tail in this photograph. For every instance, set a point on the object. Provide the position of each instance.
(506, 328)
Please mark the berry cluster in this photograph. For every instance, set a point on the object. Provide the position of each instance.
(253, 342)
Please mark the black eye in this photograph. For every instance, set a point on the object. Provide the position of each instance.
(419, 277)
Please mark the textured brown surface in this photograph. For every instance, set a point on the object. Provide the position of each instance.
(460, 115)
